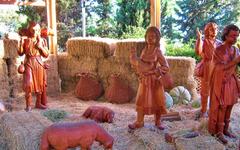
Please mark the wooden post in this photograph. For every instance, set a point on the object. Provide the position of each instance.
(83, 18)
(155, 10)
(51, 11)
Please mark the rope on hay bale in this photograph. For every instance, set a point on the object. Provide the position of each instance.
(22, 130)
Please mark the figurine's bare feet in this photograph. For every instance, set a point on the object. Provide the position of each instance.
(135, 125)
(27, 109)
(227, 133)
(40, 106)
(221, 138)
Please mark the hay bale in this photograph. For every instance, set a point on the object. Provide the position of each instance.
(90, 47)
(53, 78)
(10, 48)
(200, 142)
(123, 48)
(107, 67)
(22, 130)
(68, 85)
(15, 79)
(69, 67)
(181, 69)
(4, 91)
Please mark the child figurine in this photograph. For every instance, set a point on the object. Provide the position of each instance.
(151, 66)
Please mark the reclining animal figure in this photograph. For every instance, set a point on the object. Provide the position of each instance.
(62, 136)
(99, 114)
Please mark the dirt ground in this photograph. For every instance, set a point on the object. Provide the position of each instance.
(148, 137)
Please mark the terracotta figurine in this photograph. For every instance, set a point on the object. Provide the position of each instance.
(204, 48)
(150, 66)
(34, 73)
(99, 114)
(224, 90)
(70, 135)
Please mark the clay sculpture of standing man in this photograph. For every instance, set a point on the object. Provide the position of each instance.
(224, 89)
(204, 48)
(34, 74)
(151, 66)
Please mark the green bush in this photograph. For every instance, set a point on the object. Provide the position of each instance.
(134, 32)
(55, 115)
(181, 49)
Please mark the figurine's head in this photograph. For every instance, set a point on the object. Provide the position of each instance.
(230, 34)
(108, 116)
(34, 29)
(153, 36)
(211, 30)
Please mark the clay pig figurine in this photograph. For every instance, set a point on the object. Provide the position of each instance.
(62, 136)
(99, 114)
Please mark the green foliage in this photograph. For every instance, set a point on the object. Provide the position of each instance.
(132, 13)
(168, 28)
(63, 35)
(30, 12)
(9, 21)
(55, 115)
(196, 13)
(181, 49)
(134, 32)
(105, 24)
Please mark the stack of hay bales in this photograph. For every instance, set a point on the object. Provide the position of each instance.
(53, 78)
(94, 55)
(181, 69)
(13, 61)
(120, 64)
(4, 78)
(22, 130)
(83, 55)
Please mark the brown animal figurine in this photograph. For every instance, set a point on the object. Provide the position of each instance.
(69, 135)
(99, 114)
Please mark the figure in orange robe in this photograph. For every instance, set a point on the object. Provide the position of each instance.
(151, 66)
(224, 88)
(204, 48)
(34, 76)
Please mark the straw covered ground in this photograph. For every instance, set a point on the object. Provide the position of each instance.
(146, 138)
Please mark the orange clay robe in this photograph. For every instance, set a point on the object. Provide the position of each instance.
(34, 78)
(150, 97)
(223, 80)
(206, 55)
